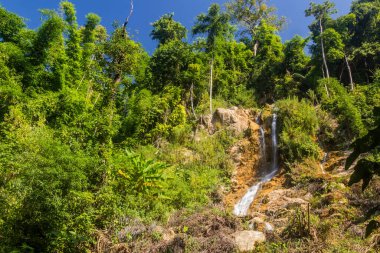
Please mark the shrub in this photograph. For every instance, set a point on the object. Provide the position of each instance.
(46, 198)
(151, 117)
(298, 126)
(341, 104)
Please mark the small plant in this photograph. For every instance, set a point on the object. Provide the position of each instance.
(143, 175)
(299, 224)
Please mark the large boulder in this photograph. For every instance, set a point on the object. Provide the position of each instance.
(246, 240)
(238, 120)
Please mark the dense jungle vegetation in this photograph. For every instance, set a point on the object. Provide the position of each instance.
(95, 132)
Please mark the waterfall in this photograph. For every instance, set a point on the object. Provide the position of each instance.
(274, 144)
(241, 208)
(262, 138)
(262, 144)
(324, 159)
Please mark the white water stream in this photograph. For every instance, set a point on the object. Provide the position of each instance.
(241, 208)
(323, 163)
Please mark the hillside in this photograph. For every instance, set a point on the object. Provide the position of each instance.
(232, 142)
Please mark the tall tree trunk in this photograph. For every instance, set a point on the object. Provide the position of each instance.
(324, 56)
(341, 74)
(323, 50)
(349, 72)
(192, 99)
(255, 48)
(127, 19)
(116, 81)
(211, 70)
(323, 72)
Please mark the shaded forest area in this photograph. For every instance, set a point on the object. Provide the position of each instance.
(96, 135)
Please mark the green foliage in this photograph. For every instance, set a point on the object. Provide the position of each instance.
(295, 59)
(154, 116)
(74, 98)
(367, 22)
(89, 37)
(10, 25)
(121, 57)
(73, 48)
(10, 86)
(367, 167)
(231, 65)
(287, 86)
(341, 104)
(333, 45)
(298, 126)
(267, 63)
(366, 99)
(142, 176)
(321, 11)
(166, 29)
(46, 194)
(298, 224)
(48, 58)
(215, 24)
(251, 13)
(168, 64)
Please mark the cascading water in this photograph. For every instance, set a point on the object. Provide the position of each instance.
(262, 143)
(241, 208)
(262, 139)
(274, 144)
(324, 159)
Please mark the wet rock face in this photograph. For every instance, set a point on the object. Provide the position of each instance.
(245, 155)
(246, 240)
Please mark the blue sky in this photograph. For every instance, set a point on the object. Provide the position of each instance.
(147, 11)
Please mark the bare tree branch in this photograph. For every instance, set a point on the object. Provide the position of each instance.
(127, 19)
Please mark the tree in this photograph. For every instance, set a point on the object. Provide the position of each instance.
(250, 14)
(168, 64)
(73, 48)
(193, 75)
(295, 59)
(51, 208)
(48, 59)
(345, 26)
(10, 85)
(267, 63)
(10, 25)
(166, 29)
(216, 25)
(89, 38)
(321, 13)
(121, 59)
(298, 125)
(232, 66)
(367, 27)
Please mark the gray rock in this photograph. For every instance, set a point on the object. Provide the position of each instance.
(268, 227)
(246, 240)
